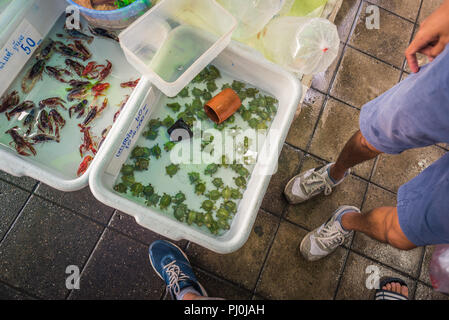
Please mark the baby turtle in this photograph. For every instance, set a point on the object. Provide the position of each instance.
(236, 194)
(140, 152)
(200, 188)
(194, 177)
(156, 151)
(217, 182)
(223, 214)
(165, 201)
(169, 146)
(172, 169)
(230, 206)
(214, 195)
(226, 193)
(181, 212)
(208, 205)
(191, 217)
(168, 122)
(128, 180)
(142, 164)
(179, 198)
(240, 182)
(137, 189)
(153, 200)
(211, 169)
(127, 170)
(148, 191)
(121, 188)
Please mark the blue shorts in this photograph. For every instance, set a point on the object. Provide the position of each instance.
(413, 114)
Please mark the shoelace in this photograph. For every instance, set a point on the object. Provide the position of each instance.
(330, 236)
(175, 275)
(315, 182)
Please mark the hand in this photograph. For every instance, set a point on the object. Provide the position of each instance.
(432, 37)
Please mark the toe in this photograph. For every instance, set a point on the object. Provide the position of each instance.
(396, 287)
(404, 291)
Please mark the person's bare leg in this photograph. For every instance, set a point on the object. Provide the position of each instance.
(381, 224)
(191, 296)
(356, 150)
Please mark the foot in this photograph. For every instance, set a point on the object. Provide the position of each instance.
(310, 184)
(172, 265)
(392, 289)
(324, 240)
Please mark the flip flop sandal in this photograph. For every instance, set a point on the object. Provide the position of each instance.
(382, 294)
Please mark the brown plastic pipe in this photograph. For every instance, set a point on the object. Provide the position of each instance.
(223, 105)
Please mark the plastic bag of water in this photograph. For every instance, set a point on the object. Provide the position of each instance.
(439, 268)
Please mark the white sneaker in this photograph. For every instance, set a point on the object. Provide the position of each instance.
(310, 184)
(324, 240)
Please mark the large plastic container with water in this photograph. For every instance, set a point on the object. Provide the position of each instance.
(27, 27)
(236, 63)
(176, 39)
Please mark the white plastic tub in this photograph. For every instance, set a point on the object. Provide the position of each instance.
(35, 21)
(177, 39)
(242, 64)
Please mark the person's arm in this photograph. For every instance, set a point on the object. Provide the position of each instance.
(432, 37)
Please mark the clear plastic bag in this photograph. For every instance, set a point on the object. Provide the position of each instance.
(300, 44)
(252, 15)
(439, 268)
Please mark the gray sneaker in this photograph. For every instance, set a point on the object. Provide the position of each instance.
(324, 240)
(310, 184)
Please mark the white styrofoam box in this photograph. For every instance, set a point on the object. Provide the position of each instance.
(204, 27)
(239, 62)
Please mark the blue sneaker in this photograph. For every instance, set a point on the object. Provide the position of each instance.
(173, 266)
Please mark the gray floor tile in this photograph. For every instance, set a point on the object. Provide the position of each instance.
(345, 18)
(359, 272)
(128, 225)
(428, 7)
(287, 275)
(274, 200)
(242, 266)
(219, 288)
(406, 9)
(303, 125)
(388, 43)
(119, 268)
(8, 293)
(12, 199)
(425, 273)
(80, 201)
(392, 171)
(45, 240)
(22, 182)
(361, 78)
(424, 292)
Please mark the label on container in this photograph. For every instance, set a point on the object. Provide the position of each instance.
(16, 52)
(131, 136)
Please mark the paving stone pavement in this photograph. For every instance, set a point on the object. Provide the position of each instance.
(42, 230)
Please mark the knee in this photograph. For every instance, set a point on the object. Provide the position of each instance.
(394, 235)
(365, 144)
